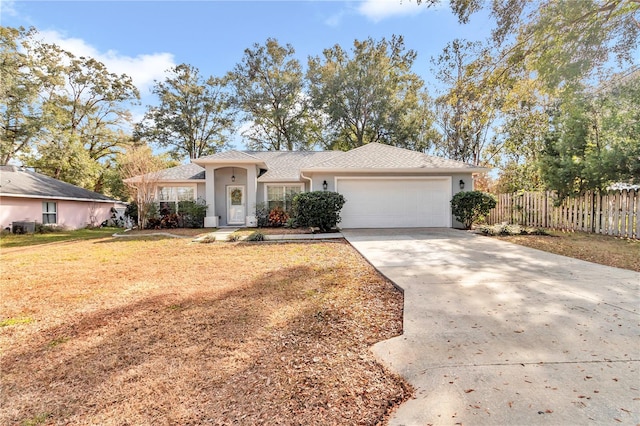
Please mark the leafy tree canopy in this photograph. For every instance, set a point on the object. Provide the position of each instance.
(193, 118)
(594, 140)
(61, 114)
(269, 90)
(540, 59)
(370, 95)
(20, 114)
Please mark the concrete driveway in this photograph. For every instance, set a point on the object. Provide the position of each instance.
(496, 333)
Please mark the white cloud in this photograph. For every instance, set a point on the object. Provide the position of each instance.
(143, 68)
(377, 10)
(7, 8)
(336, 19)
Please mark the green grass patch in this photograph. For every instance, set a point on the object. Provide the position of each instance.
(36, 420)
(14, 321)
(58, 341)
(24, 240)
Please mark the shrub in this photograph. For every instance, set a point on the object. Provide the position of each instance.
(208, 239)
(41, 228)
(192, 213)
(319, 209)
(256, 236)
(262, 215)
(188, 214)
(232, 238)
(537, 231)
(170, 221)
(505, 229)
(154, 223)
(152, 218)
(500, 229)
(132, 211)
(291, 223)
(471, 206)
(278, 217)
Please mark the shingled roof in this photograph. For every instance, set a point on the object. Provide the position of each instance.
(286, 166)
(231, 155)
(184, 172)
(377, 156)
(279, 165)
(17, 182)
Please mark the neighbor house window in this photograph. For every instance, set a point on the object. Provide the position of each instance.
(281, 196)
(170, 196)
(49, 212)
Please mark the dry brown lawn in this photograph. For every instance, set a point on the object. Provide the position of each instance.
(181, 232)
(603, 249)
(188, 232)
(163, 331)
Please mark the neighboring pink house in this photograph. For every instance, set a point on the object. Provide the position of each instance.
(27, 196)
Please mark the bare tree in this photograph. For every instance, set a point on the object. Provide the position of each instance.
(140, 169)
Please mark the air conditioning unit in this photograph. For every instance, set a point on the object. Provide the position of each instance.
(23, 227)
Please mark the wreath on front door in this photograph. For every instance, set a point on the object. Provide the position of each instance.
(236, 197)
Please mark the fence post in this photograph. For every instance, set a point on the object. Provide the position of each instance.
(637, 209)
(632, 212)
(593, 211)
(615, 212)
(624, 212)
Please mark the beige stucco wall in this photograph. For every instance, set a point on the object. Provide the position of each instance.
(70, 214)
(319, 178)
(200, 191)
(222, 179)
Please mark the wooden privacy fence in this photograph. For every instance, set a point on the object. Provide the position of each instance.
(612, 213)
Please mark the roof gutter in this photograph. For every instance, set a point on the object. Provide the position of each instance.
(393, 170)
(228, 162)
(309, 179)
(165, 181)
(55, 197)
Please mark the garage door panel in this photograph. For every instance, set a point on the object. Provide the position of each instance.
(378, 203)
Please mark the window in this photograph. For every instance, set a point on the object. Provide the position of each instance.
(281, 196)
(176, 193)
(49, 212)
(170, 196)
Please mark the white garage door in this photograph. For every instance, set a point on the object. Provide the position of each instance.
(395, 203)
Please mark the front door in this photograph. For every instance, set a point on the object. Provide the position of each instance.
(236, 205)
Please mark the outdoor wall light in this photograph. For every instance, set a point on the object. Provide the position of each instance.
(461, 184)
(325, 185)
(233, 175)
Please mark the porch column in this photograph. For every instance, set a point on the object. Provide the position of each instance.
(252, 189)
(211, 220)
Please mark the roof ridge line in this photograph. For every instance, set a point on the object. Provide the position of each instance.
(244, 153)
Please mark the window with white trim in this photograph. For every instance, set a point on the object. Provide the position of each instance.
(49, 212)
(170, 196)
(282, 196)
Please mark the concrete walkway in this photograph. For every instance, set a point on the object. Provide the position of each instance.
(500, 334)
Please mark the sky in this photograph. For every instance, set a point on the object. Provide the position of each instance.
(143, 39)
